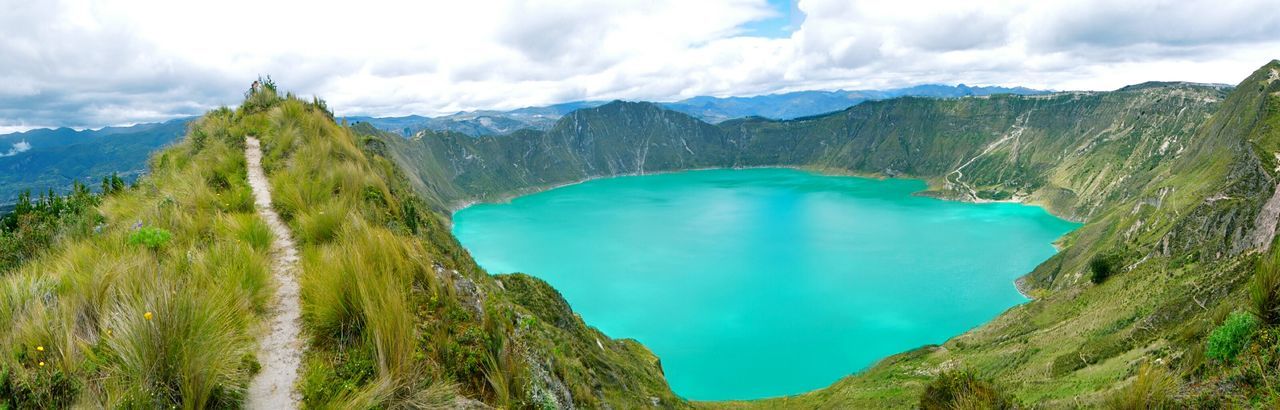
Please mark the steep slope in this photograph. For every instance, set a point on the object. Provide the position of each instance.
(1175, 182)
(157, 296)
(398, 313)
(1024, 138)
(149, 299)
(1183, 234)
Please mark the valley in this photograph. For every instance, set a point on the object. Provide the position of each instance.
(143, 293)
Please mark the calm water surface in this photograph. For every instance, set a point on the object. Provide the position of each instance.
(765, 282)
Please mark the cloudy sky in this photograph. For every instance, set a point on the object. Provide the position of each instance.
(85, 63)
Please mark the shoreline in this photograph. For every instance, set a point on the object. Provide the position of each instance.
(931, 191)
(507, 197)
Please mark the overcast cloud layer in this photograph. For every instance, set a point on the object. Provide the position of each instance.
(84, 63)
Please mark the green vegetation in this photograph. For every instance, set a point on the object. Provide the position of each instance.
(59, 158)
(150, 237)
(399, 315)
(94, 321)
(1102, 266)
(1154, 387)
(33, 226)
(1264, 290)
(1172, 180)
(1230, 338)
(962, 389)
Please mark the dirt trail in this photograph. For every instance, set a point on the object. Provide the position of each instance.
(280, 350)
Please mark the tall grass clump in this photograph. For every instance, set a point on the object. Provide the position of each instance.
(175, 344)
(1264, 290)
(1154, 387)
(249, 230)
(963, 389)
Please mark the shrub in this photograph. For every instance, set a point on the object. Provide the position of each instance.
(1102, 266)
(1153, 388)
(1230, 338)
(963, 389)
(1264, 290)
(150, 237)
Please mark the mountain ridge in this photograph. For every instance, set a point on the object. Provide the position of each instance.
(1143, 166)
(784, 105)
(54, 158)
(152, 296)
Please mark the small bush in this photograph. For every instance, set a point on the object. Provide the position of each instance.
(1264, 290)
(150, 237)
(963, 390)
(1102, 266)
(1153, 388)
(1230, 338)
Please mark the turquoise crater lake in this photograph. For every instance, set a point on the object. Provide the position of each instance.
(765, 282)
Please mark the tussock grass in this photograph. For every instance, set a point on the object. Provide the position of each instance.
(398, 314)
(963, 390)
(1154, 387)
(1264, 289)
(98, 322)
(248, 229)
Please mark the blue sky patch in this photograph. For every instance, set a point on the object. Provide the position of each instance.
(786, 20)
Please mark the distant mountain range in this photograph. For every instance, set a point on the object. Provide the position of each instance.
(41, 159)
(38, 160)
(782, 106)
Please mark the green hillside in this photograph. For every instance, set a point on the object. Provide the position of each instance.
(54, 159)
(156, 295)
(1170, 178)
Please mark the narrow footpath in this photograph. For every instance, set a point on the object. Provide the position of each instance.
(280, 350)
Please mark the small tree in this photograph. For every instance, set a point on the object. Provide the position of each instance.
(1102, 266)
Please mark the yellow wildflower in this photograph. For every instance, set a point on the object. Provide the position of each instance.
(39, 348)
(146, 315)
(41, 364)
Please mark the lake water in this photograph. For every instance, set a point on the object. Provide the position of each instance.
(765, 282)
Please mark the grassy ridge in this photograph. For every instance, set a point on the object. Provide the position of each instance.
(399, 314)
(103, 320)
(154, 297)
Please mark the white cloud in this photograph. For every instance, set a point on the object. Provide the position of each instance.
(89, 63)
(17, 148)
